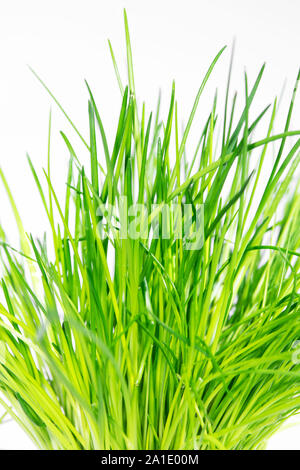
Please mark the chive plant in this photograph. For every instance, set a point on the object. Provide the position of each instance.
(138, 341)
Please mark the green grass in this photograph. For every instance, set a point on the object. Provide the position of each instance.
(140, 343)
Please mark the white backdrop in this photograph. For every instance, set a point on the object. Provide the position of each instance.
(65, 41)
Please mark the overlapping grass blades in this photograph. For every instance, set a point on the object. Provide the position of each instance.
(158, 347)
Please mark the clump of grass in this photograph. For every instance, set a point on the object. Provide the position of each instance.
(157, 346)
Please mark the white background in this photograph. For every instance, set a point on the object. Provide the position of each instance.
(65, 41)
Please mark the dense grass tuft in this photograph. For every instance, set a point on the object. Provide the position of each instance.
(141, 343)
